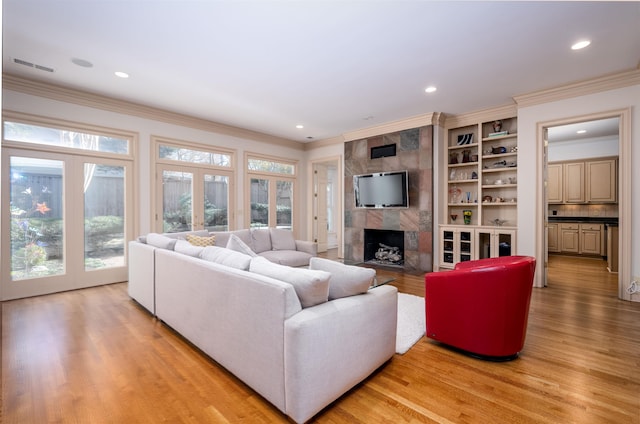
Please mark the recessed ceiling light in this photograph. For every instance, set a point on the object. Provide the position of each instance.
(581, 131)
(430, 89)
(299, 126)
(580, 45)
(122, 74)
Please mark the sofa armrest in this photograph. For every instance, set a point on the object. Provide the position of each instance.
(309, 247)
(331, 347)
(141, 285)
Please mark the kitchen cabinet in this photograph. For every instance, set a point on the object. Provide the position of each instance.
(553, 244)
(570, 237)
(601, 178)
(555, 193)
(590, 239)
(583, 182)
(574, 237)
(573, 174)
(612, 248)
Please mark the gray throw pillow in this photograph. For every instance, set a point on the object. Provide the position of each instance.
(235, 243)
(346, 280)
(312, 287)
(261, 240)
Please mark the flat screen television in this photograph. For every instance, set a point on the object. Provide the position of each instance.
(382, 190)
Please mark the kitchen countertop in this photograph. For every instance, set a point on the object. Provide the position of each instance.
(586, 219)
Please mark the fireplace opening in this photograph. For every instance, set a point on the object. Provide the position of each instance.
(384, 247)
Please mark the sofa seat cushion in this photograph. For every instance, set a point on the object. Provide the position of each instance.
(346, 280)
(224, 256)
(311, 286)
(287, 257)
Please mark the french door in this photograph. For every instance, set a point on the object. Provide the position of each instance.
(69, 222)
(191, 198)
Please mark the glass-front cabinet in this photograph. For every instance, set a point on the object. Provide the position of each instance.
(457, 245)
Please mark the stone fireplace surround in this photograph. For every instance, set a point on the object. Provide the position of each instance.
(414, 153)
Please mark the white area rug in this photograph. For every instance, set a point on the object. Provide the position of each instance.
(411, 321)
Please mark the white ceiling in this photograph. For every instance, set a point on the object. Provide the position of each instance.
(332, 66)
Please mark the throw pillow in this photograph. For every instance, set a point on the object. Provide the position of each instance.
(235, 243)
(223, 256)
(201, 241)
(346, 280)
(261, 240)
(311, 286)
(161, 241)
(186, 248)
(282, 239)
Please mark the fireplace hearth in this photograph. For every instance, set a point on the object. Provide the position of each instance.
(384, 247)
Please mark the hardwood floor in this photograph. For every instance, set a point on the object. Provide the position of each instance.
(95, 356)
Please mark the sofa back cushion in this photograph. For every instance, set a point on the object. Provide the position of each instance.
(311, 286)
(346, 280)
(260, 240)
(186, 248)
(224, 256)
(161, 241)
(282, 239)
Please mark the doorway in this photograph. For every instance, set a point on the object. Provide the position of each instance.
(566, 145)
(326, 207)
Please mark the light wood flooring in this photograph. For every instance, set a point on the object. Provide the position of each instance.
(95, 356)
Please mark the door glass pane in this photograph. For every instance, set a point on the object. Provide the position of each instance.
(259, 203)
(176, 201)
(216, 203)
(284, 202)
(104, 194)
(36, 218)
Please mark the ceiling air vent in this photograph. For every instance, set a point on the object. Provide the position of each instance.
(32, 65)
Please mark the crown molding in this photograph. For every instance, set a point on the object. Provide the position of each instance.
(395, 126)
(580, 88)
(472, 118)
(84, 98)
(323, 143)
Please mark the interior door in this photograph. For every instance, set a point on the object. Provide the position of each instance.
(320, 206)
(70, 217)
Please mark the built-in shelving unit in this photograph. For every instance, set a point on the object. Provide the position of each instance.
(481, 188)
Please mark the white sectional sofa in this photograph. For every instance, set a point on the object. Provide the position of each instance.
(299, 337)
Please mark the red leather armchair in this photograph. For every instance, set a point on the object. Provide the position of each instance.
(482, 306)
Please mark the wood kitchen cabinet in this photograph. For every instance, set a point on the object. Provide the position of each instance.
(590, 239)
(573, 175)
(588, 181)
(553, 244)
(570, 237)
(601, 178)
(574, 237)
(555, 192)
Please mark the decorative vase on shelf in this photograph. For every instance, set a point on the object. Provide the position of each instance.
(467, 216)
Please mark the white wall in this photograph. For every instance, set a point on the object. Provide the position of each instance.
(20, 102)
(583, 149)
(529, 171)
